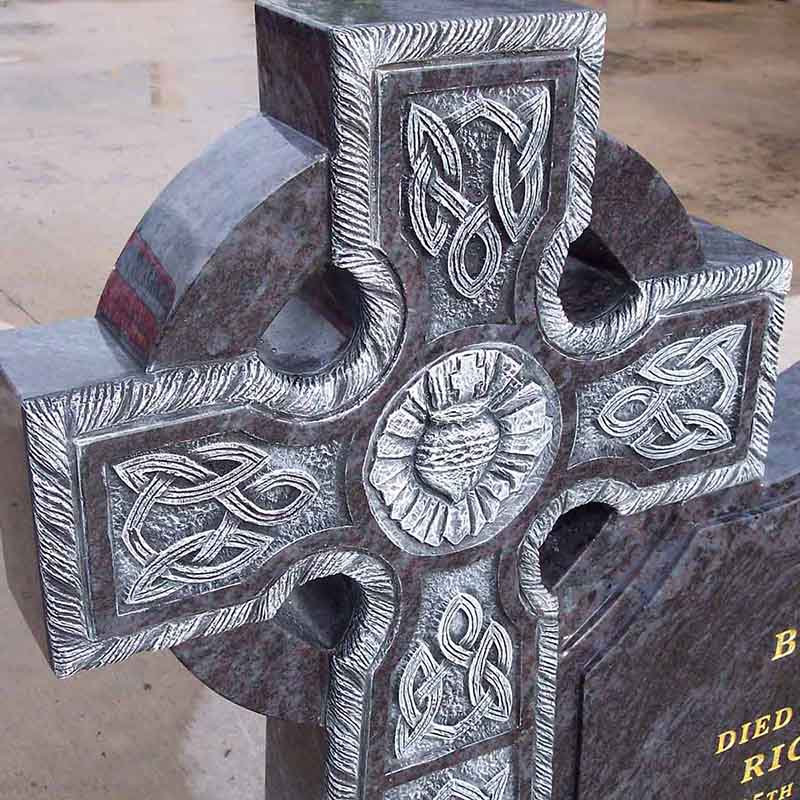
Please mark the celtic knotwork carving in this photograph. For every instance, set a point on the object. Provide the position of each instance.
(461, 444)
(485, 655)
(437, 178)
(170, 479)
(646, 417)
(457, 789)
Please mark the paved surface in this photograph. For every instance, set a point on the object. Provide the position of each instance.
(102, 102)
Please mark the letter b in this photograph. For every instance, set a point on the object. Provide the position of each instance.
(786, 645)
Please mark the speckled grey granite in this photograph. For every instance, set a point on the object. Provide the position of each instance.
(627, 188)
(784, 448)
(191, 283)
(356, 363)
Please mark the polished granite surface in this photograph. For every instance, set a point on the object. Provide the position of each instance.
(103, 102)
(371, 12)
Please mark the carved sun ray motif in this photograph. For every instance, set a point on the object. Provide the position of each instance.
(462, 442)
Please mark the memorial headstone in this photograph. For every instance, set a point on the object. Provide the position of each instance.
(418, 415)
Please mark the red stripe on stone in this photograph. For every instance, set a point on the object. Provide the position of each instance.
(121, 306)
(165, 285)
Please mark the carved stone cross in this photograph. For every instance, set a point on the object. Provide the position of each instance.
(375, 343)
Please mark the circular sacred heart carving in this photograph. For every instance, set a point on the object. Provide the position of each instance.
(462, 448)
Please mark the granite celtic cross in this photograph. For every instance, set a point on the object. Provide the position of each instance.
(353, 366)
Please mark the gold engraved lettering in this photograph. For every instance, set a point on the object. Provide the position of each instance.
(726, 741)
(794, 754)
(754, 765)
(776, 757)
(780, 755)
(782, 718)
(768, 723)
(785, 792)
(745, 733)
(786, 644)
(762, 726)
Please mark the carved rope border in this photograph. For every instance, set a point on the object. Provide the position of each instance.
(52, 423)
(357, 52)
(69, 628)
(617, 330)
(627, 499)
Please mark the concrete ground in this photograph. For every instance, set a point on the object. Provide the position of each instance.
(102, 101)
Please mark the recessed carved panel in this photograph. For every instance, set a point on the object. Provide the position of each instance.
(461, 448)
(471, 189)
(489, 777)
(483, 652)
(459, 682)
(203, 486)
(198, 516)
(675, 403)
(473, 160)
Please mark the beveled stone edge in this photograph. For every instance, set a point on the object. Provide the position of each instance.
(357, 52)
(627, 499)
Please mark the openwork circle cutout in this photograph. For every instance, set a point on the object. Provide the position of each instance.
(462, 448)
